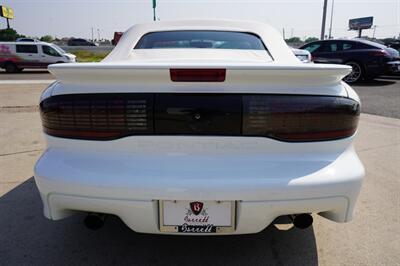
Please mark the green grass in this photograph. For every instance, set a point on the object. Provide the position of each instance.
(88, 56)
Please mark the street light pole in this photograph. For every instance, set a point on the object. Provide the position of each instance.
(154, 9)
(330, 27)
(323, 20)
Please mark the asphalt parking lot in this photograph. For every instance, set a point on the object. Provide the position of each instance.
(27, 238)
(380, 96)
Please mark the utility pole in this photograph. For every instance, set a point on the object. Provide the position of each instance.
(154, 9)
(323, 20)
(330, 27)
(283, 33)
(92, 34)
(291, 33)
(98, 35)
(373, 34)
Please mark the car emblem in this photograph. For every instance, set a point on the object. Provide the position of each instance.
(196, 207)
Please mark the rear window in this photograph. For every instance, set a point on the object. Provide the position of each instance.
(347, 46)
(361, 45)
(200, 39)
(29, 49)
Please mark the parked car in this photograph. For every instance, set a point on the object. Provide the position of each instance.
(27, 40)
(199, 127)
(15, 56)
(367, 59)
(80, 42)
(303, 55)
(395, 45)
(117, 36)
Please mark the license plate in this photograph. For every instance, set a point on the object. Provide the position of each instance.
(197, 216)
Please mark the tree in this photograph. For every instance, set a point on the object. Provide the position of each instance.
(293, 40)
(9, 35)
(47, 38)
(311, 39)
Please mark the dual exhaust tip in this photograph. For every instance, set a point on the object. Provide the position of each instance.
(95, 221)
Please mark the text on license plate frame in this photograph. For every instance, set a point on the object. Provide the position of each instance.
(197, 229)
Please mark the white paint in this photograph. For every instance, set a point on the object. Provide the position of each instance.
(267, 178)
(28, 81)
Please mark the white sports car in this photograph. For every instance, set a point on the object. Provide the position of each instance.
(199, 127)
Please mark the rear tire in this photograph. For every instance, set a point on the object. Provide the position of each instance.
(10, 68)
(356, 74)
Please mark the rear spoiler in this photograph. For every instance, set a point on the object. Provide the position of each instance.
(156, 77)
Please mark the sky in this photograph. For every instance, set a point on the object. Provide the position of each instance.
(301, 18)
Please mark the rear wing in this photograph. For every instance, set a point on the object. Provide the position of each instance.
(240, 77)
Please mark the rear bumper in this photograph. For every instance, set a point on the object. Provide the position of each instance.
(264, 186)
(251, 216)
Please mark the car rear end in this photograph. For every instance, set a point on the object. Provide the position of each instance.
(393, 60)
(219, 144)
(8, 55)
(379, 59)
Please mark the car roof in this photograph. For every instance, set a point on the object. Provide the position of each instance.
(27, 43)
(371, 43)
(270, 36)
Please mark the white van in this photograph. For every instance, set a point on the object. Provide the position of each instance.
(15, 56)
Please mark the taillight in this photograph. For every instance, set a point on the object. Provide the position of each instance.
(300, 117)
(198, 75)
(97, 116)
(379, 53)
(109, 116)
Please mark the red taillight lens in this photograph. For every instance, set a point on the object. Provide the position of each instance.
(198, 75)
(283, 117)
(300, 117)
(379, 53)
